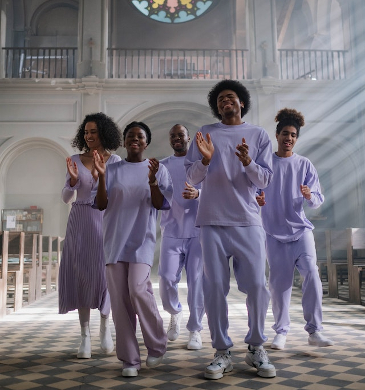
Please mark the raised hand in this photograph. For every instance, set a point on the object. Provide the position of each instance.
(190, 192)
(72, 170)
(205, 146)
(98, 163)
(153, 168)
(261, 199)
(306, 191)
(242, 153)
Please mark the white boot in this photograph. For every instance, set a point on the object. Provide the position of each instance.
(85, 346)
(106, 341)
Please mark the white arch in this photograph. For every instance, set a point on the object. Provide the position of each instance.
(141, 113)
(48, 6)
(10, 153)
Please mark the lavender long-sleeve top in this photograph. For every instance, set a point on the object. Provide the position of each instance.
(129, 225)
(283, 215)
(228, 195)
(85, 182)
(179, 220)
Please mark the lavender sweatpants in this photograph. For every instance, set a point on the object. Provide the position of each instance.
(176, 253)
(131, 295)
(246, 245)
(283, 258)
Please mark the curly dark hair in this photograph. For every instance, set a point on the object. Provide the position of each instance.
(235, 86)
(109, 133)
(142, 126)
(289, 117)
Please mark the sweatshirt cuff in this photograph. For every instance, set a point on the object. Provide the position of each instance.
(75, 187)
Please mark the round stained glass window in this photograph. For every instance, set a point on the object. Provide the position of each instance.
(173, 11)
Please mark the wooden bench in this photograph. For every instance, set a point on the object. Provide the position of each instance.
(356, 262)
(16, 267)
(336, 247)
(4, 272)
(320, 238)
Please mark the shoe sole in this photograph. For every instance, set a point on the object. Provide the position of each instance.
(193, 348)
(129, 375)
(262, 373)
(279, 347)
(320, 344)
(83, 356)
(217, 375)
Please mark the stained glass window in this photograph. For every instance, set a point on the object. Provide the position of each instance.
(173, 11)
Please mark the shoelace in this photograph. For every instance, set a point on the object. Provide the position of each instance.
(173, 322)
(217, 357)
(194, 336)
(262, 354)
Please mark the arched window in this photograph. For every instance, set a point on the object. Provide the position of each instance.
(173, 11)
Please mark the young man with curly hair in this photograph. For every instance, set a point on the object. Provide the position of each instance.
(231, 159)
(290, 241)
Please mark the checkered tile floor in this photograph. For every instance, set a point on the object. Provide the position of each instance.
(38, 351)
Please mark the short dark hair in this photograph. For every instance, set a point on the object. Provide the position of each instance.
(179, 124)
(109, 133)
(234, 85)
(142, 126)
(289, 117)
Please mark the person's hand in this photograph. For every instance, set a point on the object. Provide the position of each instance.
(306, 192)
(242, 153)
(190, 192)
(205, 146)
(261, 199)
(72, 170)
(98, 163)
(153, 168)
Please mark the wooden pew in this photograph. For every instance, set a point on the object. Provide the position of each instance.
(16, 269)
(320, 238)
(336, 259)
(31, 252)
(4, 273)
(356, 262)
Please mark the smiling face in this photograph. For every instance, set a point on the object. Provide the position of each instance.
(135, 141)
(229, 105)
(179, 140)
(286, 140)
(91, 136)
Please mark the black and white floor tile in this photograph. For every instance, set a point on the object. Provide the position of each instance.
(38, 351)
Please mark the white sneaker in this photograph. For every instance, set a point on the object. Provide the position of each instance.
(195, 341)
(152, 361)
(221, 363)
(279, 341)
(257, 357)
(173, 330)
(129, 371)
(319, 340)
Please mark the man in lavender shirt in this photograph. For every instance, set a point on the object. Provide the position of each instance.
(231, 159)
(290, 241)
(180, 246)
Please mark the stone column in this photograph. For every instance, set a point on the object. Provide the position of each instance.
(263, 39)
(93, 38)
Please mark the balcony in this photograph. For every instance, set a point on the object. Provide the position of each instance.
(177, 64)
(45, 62)
(312, 64)
(294, 64)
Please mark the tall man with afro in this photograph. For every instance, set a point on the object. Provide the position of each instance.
(232, 159)
(290, 241)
